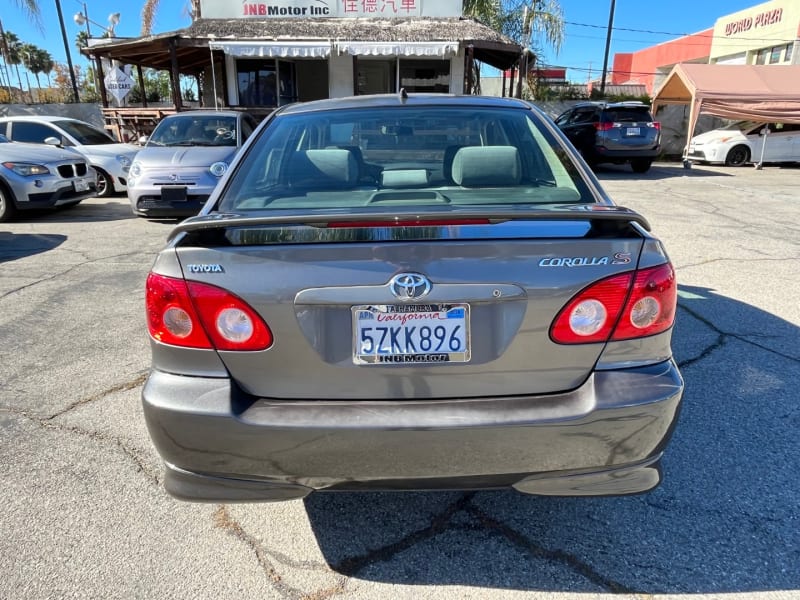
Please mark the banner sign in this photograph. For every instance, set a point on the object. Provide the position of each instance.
(314, 9)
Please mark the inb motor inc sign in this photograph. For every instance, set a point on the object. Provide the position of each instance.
(310, 9)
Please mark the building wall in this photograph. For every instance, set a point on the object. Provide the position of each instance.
(739, 36)
(340, 75)
(736, 38)
(650, 65)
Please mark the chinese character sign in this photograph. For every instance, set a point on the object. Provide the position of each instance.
(310, 9)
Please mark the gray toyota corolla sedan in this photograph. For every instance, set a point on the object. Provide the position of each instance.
(410, 292)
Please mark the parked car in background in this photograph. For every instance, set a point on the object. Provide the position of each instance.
(613, 132)
(410, 292)
(110, 159)
(34, 177)
(741, 143)
(182, 161)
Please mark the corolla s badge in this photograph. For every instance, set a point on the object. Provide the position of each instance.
(409, 286)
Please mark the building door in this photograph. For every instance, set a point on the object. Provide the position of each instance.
(376, 76)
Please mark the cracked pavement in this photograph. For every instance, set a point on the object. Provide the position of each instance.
(84, 513)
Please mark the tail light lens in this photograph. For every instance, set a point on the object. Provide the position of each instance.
(655, 124)
(604, 126)
(621, 307)
(198, 315)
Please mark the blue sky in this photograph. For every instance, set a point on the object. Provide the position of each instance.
(582, 50)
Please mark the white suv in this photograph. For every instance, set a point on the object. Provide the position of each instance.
(110, 159)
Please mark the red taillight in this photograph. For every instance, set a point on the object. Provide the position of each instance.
(603, 126)
(621, 307)
(655, 124)
(198, 315)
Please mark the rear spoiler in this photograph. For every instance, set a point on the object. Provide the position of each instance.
(326, 218)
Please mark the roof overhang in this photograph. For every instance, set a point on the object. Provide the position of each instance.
(420, 37)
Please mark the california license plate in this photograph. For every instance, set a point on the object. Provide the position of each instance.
(80, 185)
(410, 334)
(633, 131)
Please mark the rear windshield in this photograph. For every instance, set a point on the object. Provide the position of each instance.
(626, 115)
(427, 156)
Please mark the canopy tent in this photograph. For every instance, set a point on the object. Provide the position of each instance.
(768, 93)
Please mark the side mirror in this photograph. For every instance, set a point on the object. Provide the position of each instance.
(52, 141)
(143, 139)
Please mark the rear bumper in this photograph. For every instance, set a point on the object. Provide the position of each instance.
(605, 438)
(603, 153)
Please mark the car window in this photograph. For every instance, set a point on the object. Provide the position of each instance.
(412, 156)
(248, 125)
(85, 134)
(583, 116)
(32, 133)
(626, 114)
(195, 130)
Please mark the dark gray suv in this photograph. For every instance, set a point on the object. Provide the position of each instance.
(616, 132)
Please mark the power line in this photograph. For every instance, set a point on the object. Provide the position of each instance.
(676, 34)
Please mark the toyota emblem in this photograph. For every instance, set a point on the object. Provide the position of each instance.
(410, 286)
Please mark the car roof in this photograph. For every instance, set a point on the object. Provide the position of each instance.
(207, 113)
(390, 100)
(603, 104)
(46, 118)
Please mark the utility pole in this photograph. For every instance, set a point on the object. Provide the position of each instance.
(66, 48)
(608, 45)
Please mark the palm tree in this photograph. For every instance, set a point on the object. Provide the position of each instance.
(31, 7)
(13, 56)
(149, 13)
(521, 20)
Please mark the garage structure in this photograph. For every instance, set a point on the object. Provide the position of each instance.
(755, 92)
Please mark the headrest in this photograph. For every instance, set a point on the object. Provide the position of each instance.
(486, 166)
(323, 167)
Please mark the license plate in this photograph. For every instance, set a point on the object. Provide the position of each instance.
(410, 334)
(80, 185)
(633, 131)
(173, 193)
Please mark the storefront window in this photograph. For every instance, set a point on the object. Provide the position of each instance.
(266, 82)
(788, 54)
(425, 75)
(775, 54)
(761, 57)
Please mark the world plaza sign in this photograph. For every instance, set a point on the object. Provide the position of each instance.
(769, 17)
(310, 9)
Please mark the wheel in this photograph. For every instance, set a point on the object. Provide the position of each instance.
(737, 156)
(7, 207)
(641, 165)
(104, 185)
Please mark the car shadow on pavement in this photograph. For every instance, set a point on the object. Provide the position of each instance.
(660, 171)
(19, 245)
(94, 209)
(724, 520)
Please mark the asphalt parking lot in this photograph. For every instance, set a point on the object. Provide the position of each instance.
(84, 514)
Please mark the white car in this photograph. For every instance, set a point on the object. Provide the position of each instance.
(110, 159)
(742, 142)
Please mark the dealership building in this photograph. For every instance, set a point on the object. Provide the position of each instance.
(765, 34)
(257, 55)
